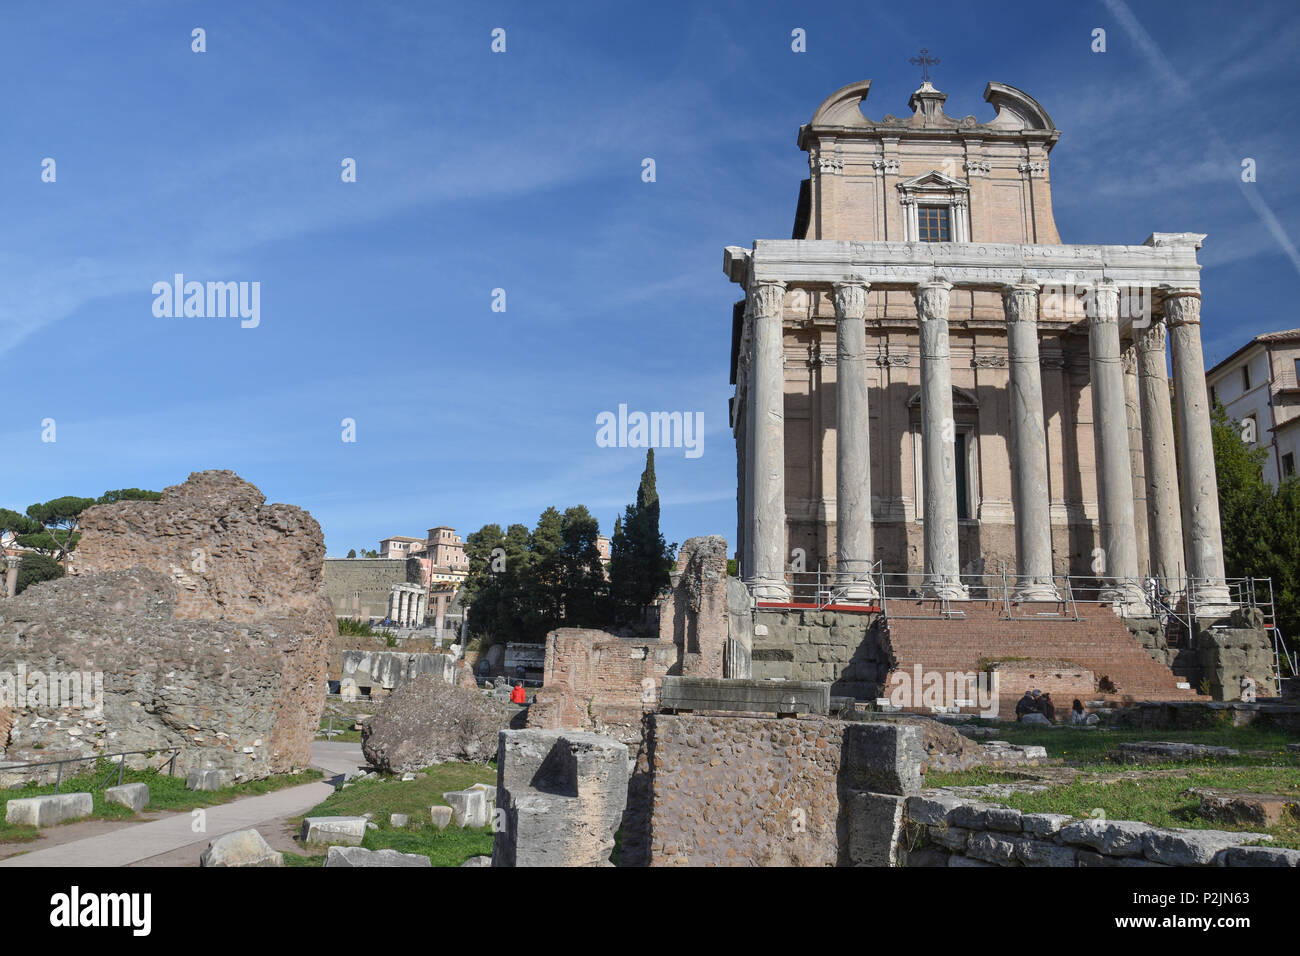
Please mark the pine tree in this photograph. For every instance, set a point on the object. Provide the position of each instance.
(640, 559)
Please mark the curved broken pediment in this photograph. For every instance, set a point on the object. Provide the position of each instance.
(1016, 109)
(844, 106)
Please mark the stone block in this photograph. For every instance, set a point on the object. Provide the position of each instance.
(875, 827)
(958, 860)
(1108, 837)
(978, 816)
(205, 780)
(478, 861)
(242, 848)
(468, 807)
(441, 817)
(563, 794)
(932, 810)
(1044, 824)
(133, 795)
(1191, 847)
(994, 848)
(953, 838)
(883, 758)
(398, 820)
(1040, 853)
(345, 830)
(49, 810)
(1261, 856)
(760, 696)
(356, 856)
(1246, 808)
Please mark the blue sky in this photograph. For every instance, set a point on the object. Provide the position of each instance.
(522, 171)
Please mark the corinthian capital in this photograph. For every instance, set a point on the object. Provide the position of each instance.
(932, 299)
(1020, 302)
(850, 299)
(1103, 303)
(767, 299)
(1182, 307)
(1152, 338)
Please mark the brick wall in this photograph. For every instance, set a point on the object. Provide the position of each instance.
(595, 680)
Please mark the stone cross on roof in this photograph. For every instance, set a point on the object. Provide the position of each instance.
(924, 61)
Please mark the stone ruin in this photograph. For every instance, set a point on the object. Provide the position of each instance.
(428, 721)
(202, 614)
(596, 680)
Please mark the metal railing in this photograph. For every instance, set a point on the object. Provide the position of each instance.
(120, 757)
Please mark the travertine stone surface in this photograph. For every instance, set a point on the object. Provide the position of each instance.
(769, 442)
(1028, 448)
(938, 465)
(1164, 514)
(1203, 538)
(853, 518)
(1110, 435)
(204, 615)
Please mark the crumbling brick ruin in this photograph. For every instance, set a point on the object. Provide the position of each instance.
(595, 680)
(204, 615)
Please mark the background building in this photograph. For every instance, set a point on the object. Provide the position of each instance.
(1259, 386)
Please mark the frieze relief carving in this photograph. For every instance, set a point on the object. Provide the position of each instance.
(885, 165)
(894, 359)
(988, 360)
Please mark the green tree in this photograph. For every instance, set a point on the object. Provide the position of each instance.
(35, 568)
(583, 585)
(352, 552)
(1261, 526)
(640, 559)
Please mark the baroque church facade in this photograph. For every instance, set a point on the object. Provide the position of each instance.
(930, 383)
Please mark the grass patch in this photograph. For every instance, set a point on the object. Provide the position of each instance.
(1161, 801)
(1081, 748)
(165, 793)
(389, 795)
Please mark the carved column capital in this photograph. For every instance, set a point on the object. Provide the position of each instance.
(850, 298)
(1020, 301)
(1103, 303)
(932, 299)
(1182, 307)
(767, 299)
(1128, 359)
(1152, 338)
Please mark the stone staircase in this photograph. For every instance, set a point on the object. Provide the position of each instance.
(1098, 642)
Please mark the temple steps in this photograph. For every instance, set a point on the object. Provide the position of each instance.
(1098, 642)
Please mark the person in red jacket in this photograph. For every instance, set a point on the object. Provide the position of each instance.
(519, 695)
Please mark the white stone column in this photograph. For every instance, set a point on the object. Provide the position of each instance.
(1203, 534)
(12, 564)
(938, 445)
(404, 612)
(1110, 435)
(853, 531)
(768, 304)
(1028, 448)
(1164, 514)
(393, 599)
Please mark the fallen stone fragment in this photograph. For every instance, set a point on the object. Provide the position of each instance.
(243, 848)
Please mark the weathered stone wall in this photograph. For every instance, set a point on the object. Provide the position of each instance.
(752, 791)
(360, 586)
(386, 670)
(563, 796)
(838, 647)
(942, 829)
(594, 680)
(203, 612)
(694, 613)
